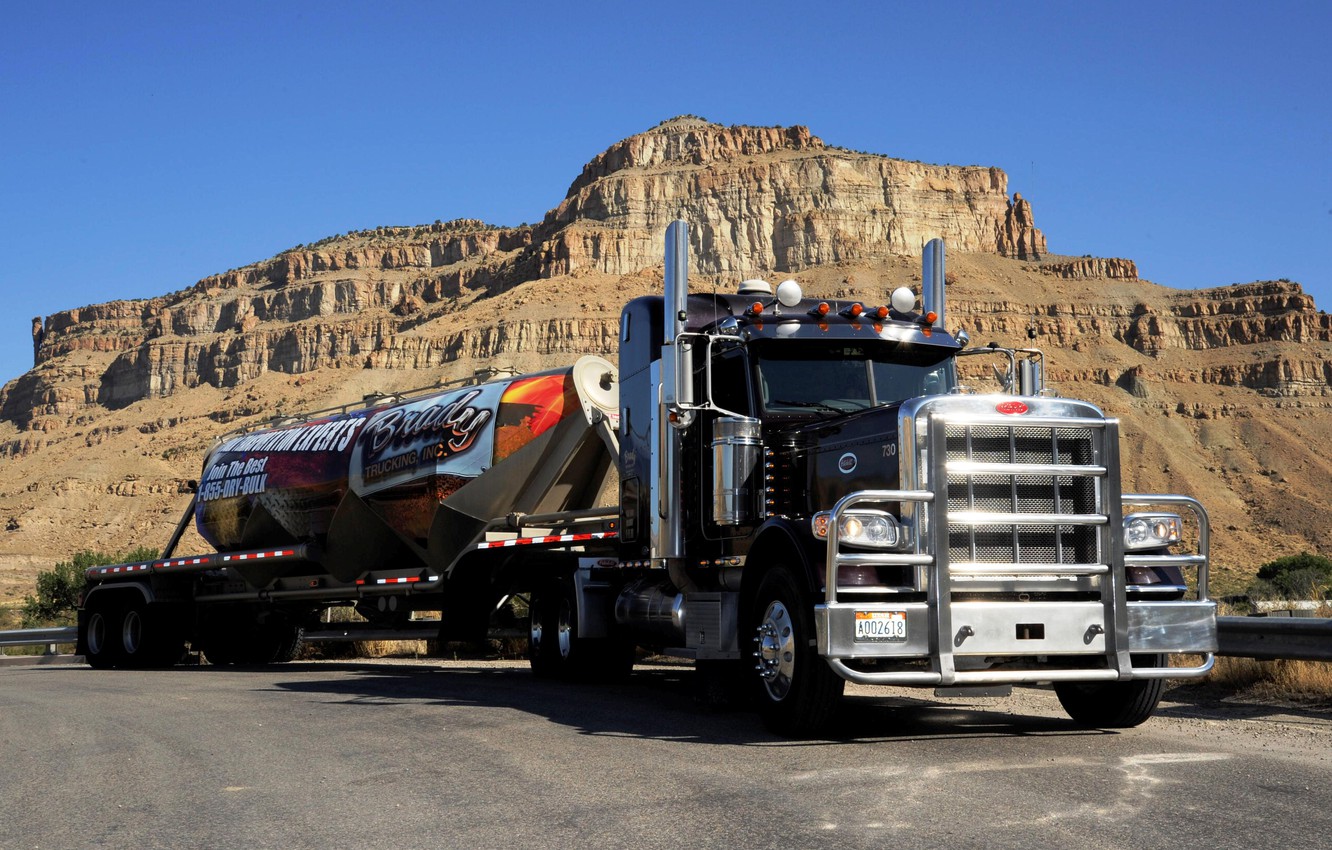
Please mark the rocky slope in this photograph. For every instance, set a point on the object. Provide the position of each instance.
(1221, 391)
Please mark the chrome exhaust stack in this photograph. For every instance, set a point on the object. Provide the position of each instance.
(932, 280)
(674, 411)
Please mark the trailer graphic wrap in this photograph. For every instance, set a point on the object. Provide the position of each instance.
(530, 407)
(291, 478)
(450, 435)
(284, 485)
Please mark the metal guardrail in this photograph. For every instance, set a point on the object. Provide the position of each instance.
(1292, 638)
(37, 637)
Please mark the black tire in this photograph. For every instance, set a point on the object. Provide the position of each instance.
(1113, 705)
(797, 692)
(554, 648)
(239, 637)
(261, 645)
(289, 641)
(148, 638)
(100, 642)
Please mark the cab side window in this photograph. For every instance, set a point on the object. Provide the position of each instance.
(730, 382)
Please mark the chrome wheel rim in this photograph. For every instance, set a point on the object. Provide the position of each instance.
(534, 630)
(131, 632)
(96, 633)
(776, 651)
(565, 629)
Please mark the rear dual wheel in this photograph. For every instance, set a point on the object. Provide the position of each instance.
(556, 650)
(131, 633)
(99, 627)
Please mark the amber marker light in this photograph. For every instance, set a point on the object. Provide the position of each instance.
(821, 525)
(756, 308)
(930, 318)
(854, 310)
(821, 309)
(879, 313)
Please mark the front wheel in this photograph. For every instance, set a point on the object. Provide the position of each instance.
(1113, 705)
(797, 692)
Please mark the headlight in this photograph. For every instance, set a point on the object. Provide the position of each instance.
(874, 529)
(1152, 531)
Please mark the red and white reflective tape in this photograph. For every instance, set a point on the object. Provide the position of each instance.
(553, 538)
(182, 562)
(400, 580)
(118, 568)
(255, 556)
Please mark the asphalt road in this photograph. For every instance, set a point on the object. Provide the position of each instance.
(475, 755)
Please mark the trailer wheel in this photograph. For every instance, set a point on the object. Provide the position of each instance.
(148, 638)
(554, 648)
(288, 643)
(797, 692)
(1113, 705)
(99, 636)
(264, 645)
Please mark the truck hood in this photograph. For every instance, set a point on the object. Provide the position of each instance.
(829, 458)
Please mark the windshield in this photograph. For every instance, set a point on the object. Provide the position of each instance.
(842, 378)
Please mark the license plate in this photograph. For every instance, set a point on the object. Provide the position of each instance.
(881, 626)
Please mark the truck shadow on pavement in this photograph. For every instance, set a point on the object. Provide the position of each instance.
(654, 702)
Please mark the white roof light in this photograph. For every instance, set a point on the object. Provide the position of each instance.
(788, 293)
(904, 300)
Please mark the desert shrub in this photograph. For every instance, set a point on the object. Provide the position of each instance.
(1302, 576)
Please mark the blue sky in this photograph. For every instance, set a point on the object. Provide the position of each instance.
(144, 146)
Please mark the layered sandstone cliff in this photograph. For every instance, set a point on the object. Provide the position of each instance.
(1223, 391)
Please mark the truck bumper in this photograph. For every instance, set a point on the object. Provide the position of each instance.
(1015, 642)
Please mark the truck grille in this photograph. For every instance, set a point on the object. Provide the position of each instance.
(1022, 494)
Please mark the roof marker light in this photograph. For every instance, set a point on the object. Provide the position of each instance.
(756, 308)
(820, 309)
(930, 318)
(854, 310)
(879, 313)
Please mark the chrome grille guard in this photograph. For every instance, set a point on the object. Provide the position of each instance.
(1001, 512)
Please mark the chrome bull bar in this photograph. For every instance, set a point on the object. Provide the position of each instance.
(956, 637)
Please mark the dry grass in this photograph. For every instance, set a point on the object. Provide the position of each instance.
(1274, 680)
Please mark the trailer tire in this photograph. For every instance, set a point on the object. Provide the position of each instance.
(148, 638)
(797, 692)
(1113, 705)
(554, 648)
(289, 641)
(99, 635)
(265, 645)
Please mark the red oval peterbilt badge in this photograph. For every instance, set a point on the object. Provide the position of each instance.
(1012, 408)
